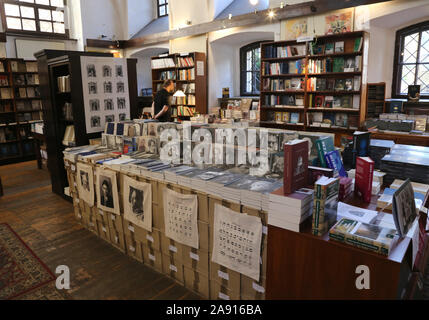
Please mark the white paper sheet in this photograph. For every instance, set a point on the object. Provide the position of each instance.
(355, 213)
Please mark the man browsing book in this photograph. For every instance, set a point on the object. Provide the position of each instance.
(162, 103)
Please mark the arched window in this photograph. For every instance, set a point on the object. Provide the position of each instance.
(411, 65)
(250, 68)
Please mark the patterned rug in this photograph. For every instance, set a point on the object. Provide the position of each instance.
(22, 274)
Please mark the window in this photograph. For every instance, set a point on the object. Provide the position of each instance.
(162, 8)
(250, 66)
(412, 60)
(34, 16)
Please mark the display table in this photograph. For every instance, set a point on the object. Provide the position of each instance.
(303, 266)
(403, 138)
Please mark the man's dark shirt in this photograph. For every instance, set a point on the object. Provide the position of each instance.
(161, 100)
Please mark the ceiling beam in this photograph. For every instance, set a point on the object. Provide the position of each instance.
(259, 17)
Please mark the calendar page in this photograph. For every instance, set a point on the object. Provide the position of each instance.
(181, 217)
(237, 241)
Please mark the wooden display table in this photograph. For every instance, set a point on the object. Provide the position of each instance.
(303, 266)
(403, 138)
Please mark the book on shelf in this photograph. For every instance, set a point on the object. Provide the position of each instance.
(350, 65)
(294, 117)
(364, 178)
(358, 44)
(356, 83)
(325, 205)
(341, 120)
(328, 120)
(338, 65)
(339, 47)
(31, 66)
(272, 51)
(348, 84)
(6, 93)
(163, 63)
(363, 235)
(319, 101)
(4, 81)
(339, 85)
(188, 74)
(167, 75)
(329, 48)
(329, 102)
(295, 165)
(185, 62)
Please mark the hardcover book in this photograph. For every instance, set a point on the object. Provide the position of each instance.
(296, 165)
(324, 146)
(364, 178)
(329, 48)
(361, 143)
(334, 161)
(404, 208)
(339, 46)
(325, 205)
(362, 235)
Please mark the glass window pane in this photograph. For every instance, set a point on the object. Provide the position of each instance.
(29, 1)
(57, 3)
(248, 82)
(161, 2)
(58, 16)
(29, 25)
(45, 26)
(44, 2)
(27, 12)
(13, 23)
(11, 10)
(59, 27)
(424, 47)
(166, 7)
(423, 78)
(249, 61)
(411, 43)
(408, 76)
(45, 14)
(162, 11)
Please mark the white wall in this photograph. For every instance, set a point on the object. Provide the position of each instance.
(140, 13)
(197, 11)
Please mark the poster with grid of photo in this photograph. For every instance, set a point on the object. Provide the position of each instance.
(105, 91)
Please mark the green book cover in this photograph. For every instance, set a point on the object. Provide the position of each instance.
(338, 65)
(324, 146)
(357, 44)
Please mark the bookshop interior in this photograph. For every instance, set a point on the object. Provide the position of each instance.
(214, 150)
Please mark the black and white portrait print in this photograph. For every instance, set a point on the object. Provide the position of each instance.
(107, 189)
(108, 104)
(121, 103)
(107, 87)
(106, 194)
(91, 71)
(107, 71)
(85, 183)
(136, 202)
(120, 87)
(84, 178)
(95, 122)
(110, 118)
(119, 71)
(92, 87)
(95, 104)
(137, 199)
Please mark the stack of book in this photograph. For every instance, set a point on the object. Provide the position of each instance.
(362, 235)
(170, 175)
(163, 63)
(378, 149)
(325, 205)
(364, 178)
(289, 212)
(346, 188)
(218, 185)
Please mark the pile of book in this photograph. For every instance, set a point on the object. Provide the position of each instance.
(163, 63)
(185, 62)
(378, 149)
(284, 51)
(346, 188)
(289, 212)
(325, 205)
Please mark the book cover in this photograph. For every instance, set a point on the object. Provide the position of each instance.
(315, 173)
(339, 46)
(338, 65)
(334, 161)
(319, 101)
(414, 93)
(324, 146)
(362, 235)
(358, 44)
(364, 178)
(396, 106)
(348, 85)
(361, 143)
(294, 117)
(329, 48)
(339, 85)
(296, 165)
(329, 102)
(404, 208)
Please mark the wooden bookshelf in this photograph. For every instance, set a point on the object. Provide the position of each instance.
(197, 66)
(344, 96)
(20, 106)
(375, 99)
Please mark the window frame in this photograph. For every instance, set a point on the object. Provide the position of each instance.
(158, 6)
(243, 69)
(37, 33)
(397, 62)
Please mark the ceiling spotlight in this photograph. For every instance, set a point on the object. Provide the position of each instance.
(271, 14)
(253, 2)
(230, 16)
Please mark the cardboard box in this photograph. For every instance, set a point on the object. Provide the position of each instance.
(153, 239)
(158, 217)
(132, 230)
(90, 219)
(152, 258)
(226, 277)
(203, 203)
(196, 260)
(252, 289)
(77, 210)
(204, 236)
(134, 248)
(172, 268)
(101, 215)
(117, 239)
(197, 282)
(171, 248)
(103, 230)
(116, 222)
(220, 292)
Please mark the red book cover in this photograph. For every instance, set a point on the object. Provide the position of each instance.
(364, 177)
(296, 166)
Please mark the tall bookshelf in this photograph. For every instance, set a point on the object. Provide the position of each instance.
(375, 99)
(189, 73)
(319, 83)
(20, 106)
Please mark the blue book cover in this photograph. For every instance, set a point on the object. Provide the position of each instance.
(110, 128)
(333, 160)
(120, 129)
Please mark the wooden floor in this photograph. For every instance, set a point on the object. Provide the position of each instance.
(46, 223)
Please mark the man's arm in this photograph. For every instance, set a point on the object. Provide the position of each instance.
(163, 111)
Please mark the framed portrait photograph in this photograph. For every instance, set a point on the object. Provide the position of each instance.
(107, 191)
(85, 183)
(138, 203)
(107, 71)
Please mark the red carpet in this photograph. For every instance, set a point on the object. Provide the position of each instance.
(22, 273)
